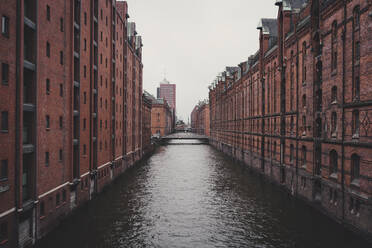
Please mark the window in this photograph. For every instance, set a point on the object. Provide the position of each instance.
(291, 125)
(85, 18)
(357, 51)
(356, 18)
(334, 46)
(47, 86)
(84, 149)
(47, 122)
(100, 124)
(333, 122)
(85, 97)
(64, 195)
(356, 87)
(334, 94)
(61, 25)
(333, 157)
(304, 154)
(60, 155)
(58, 200)
(42, 209)
(355, 167)
(4, 121)
(60, 90)
(61, 57)
(48, 49)
(5, 73)
(85, 44)
(60, 122)
(304, 62)
(291, 148)
(304, 123)
(85, 71)
(355, 124)
(4, 170)
(84, 123)
(47, 158)
(48, 12)
(5, 26)
(304, 101)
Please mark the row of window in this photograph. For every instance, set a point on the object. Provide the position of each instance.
(47, 157)
(48, 53)
(58, 202)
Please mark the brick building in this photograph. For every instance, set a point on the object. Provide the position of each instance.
(71, 108)
(167, 91)
(161, 117)
(200, 119)
(299, 110)
(146, 122)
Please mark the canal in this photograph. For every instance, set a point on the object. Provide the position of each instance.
(194, 196)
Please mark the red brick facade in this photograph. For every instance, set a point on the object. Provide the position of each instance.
(71, 109)
(299, 110)
(161, 118)
(200, 119)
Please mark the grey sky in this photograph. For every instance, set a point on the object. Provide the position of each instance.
(194, 40)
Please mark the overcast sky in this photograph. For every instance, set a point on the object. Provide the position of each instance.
(193, 40)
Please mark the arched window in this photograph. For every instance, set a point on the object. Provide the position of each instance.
(333, 159)
(304, 153)
(304, 62)
(334, 46)
(355, 167)
(355, 124)
(291, 125)
(304, 101)
(334, 122)
(291, 150)
(334, 94)
(356, 18)
(304, 123)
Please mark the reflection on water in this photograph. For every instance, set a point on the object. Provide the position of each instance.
(193, 196)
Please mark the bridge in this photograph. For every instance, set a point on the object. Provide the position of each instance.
(185, 138)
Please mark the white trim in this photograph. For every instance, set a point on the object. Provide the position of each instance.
(104, 165)
(85, 174)
(52, 190)
(120, 157)
(7, 212)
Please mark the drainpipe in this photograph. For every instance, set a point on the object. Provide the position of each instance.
(343, 111)
(17, 120)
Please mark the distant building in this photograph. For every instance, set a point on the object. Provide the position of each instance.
(161, 116)
(200, 122)
(167, 91)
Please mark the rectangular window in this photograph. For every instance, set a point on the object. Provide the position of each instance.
(60, 154)
(85, 149)
(5, 73)
(5, 26)
(85, 44)
(3, 232)
(47, 86)
(61, 90)
(84, 123)
(46, 158)
(58, 199)
(47, 122)
(4, 170)
(61, 25)
(48, 49)
(61, 57)
(4, 121)
(85, 18)
(85, 71)
(42, 209)
(48, 12)
(85, 98)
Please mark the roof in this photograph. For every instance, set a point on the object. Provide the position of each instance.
(268, 26)
(292, 4)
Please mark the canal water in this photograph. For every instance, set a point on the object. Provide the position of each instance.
(189, 195)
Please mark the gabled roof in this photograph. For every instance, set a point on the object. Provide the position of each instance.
(268, 26)
(292, 4)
